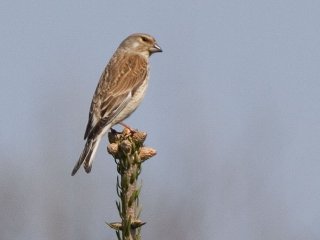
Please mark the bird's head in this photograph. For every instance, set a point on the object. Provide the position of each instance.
(141, 43)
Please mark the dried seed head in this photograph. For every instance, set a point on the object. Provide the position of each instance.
(146, 153)
(126, 146)
(115, 225)
(139, 137)
(113, 149)
(114, 136)
(137, 223)
(126, 132)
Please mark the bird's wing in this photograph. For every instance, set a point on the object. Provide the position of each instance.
(122, 77)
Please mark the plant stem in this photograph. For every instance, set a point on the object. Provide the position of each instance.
(129, 154)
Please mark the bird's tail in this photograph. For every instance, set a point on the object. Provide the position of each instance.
(87, 155)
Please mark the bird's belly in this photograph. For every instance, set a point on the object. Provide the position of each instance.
(133, 103)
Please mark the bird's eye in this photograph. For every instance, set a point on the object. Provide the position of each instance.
(144, 39)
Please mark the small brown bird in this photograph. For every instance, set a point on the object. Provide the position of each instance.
(120, 90)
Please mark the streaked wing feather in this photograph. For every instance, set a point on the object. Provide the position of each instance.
(93, 116)
(90, 121)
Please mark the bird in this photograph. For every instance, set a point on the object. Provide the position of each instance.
(119, 92)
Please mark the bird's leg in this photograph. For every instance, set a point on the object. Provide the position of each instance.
(126, 126)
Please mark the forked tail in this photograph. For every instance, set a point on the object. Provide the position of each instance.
(87, 155)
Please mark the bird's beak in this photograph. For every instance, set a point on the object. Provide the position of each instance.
(155, 48)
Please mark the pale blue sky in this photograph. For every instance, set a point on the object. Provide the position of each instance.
(232, 108)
